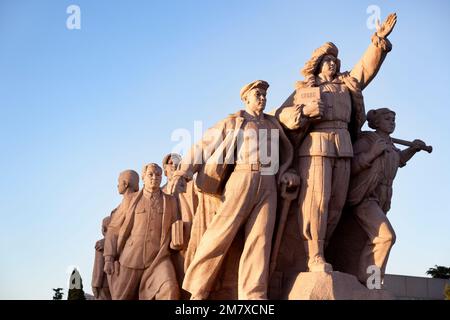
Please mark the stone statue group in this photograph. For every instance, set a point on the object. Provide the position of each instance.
(260, 198)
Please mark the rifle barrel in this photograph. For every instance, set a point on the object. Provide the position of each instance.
(428, 149)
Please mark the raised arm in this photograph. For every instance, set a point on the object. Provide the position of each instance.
(197, 156)
(367, 67)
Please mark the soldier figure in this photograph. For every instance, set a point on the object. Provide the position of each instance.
(247, 183)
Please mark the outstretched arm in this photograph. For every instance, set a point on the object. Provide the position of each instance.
(197, 156)
(201, 150)
(367, 67)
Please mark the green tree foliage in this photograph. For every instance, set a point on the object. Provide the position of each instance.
(58, 294)
(440, 272)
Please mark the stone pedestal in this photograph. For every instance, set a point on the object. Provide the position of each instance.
(330, 286)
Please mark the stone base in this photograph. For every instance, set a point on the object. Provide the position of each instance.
(330, 286)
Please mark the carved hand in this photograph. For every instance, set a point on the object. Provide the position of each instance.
(386, 28)
(291, 179)
(378, 148)
(109, 267)
(99, 245)
(419, 144)
(314, 109)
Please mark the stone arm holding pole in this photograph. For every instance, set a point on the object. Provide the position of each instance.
(366, 154)
(415, 146)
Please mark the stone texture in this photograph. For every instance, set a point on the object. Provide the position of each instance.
(415, 288)
(395, 284)
(436, 288)
(331, 286)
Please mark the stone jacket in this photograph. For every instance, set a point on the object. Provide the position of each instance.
(213, 158)
(160, 268)
(128, 257)
(373, 180)
(117, 219)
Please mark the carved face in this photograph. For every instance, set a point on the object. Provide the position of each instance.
(386, 122)
(328, 66)
(152, 178)
(105, 223)
(255, 100)
(170, 168)
(104, 230)
(122, 185)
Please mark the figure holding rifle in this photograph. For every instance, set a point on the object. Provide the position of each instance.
(374, 166)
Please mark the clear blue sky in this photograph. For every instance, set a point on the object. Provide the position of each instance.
(79, 106)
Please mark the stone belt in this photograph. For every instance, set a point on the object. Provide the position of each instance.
(250, 166)
(330, 125)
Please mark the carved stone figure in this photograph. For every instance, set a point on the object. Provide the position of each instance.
(204, 213)
(374, 166)
(236, 169)
(170, 164)
(128, 185)
(100, 287)
(187, 200)
(143, 243)
(186, 194)
(251, 209)
(323, 129)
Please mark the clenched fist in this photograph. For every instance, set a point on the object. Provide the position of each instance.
(314, 109)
